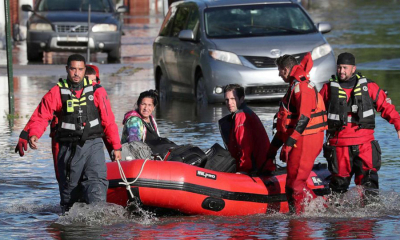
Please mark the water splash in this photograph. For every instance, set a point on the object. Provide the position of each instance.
(353, 204)
(136, 211)
(103, 214)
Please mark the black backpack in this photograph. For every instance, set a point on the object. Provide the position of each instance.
(188, 154)
(161, 146)
(220, 159)
(181, 153)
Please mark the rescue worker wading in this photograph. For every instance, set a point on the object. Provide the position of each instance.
(351, 149)
(84, 114)
(301, 122)
(22, 144)
(243, 133)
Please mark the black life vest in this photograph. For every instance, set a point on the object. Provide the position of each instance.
(225, 125)
(360, 105)
(80, 119)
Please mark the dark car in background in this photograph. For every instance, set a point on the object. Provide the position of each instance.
(63, 26)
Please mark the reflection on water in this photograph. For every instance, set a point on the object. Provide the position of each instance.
(334, 223)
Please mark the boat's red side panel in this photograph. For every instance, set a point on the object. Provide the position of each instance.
(183, 187)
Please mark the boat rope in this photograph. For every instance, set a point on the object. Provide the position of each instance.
(125, 180)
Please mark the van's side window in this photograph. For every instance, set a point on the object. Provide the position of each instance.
(180, 21)
(167, 24)
(193, 22)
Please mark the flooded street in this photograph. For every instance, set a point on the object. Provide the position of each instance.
(29, 197)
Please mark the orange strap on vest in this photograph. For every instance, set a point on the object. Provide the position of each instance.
(318, 120)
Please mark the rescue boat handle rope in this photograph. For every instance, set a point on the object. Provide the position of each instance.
(125, 181)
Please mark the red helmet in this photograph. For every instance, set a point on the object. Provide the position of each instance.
(97, 71)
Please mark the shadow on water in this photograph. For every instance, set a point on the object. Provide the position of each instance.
(197, 124)
(184, 110)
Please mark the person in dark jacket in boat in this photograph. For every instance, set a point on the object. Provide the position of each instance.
(351, 100)
(139, 124)
(84, 114)
(243, 133)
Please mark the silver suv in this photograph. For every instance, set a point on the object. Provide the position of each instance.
(203, 45)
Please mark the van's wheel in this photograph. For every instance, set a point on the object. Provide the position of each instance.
(164, 88)
(201, 92)
(34, 55)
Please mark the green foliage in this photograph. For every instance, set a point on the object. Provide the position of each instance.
(127, 70)
(14, 116)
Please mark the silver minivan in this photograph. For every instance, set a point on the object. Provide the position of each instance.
(204, 45)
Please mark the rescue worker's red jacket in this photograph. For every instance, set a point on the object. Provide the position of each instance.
(351, 134)
(51, 102)
(303, 104)
(246, 139)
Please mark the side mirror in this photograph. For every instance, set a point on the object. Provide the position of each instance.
(122, 9)
(26, 8)
(324, 27)
(186, 35)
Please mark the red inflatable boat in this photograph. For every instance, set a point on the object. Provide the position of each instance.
(194, 190)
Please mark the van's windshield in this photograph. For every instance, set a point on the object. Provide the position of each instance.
(257, 20)
(74, 5)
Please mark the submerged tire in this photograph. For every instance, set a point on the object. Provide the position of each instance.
(114, 55)
(164, 88)
(33, 55)
(201, 92)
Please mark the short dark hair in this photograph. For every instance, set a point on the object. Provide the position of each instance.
(235, 87)
(286, 61)
(76, 57)
(153, 94)
(90, 70)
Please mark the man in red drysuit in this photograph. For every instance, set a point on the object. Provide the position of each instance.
(92, 73)
(243, 133)
(301, 122)
(84, 114)
(351, 149)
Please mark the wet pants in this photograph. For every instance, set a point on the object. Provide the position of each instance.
(363, 161)
(85, 177)
(299, 166)
(55, 148)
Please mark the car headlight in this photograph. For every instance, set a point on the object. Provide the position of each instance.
(225, 56)
(104, 28)
(321, 51)
(40, 27)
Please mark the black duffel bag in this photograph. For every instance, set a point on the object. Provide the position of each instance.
(161, 146)
(188, 154)
(220, 159)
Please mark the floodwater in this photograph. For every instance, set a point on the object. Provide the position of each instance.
(29, 193)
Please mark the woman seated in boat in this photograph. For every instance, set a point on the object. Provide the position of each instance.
(139, 124)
